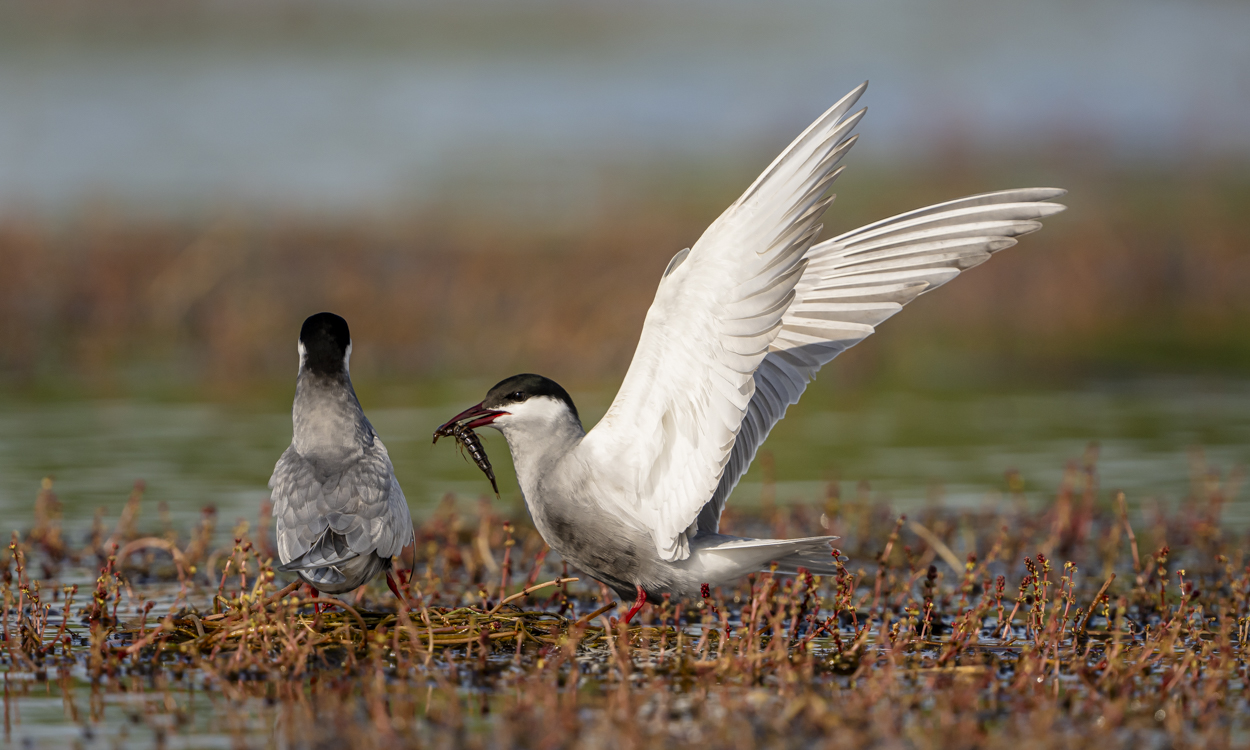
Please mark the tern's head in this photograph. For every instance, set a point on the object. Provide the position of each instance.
(523, 403)
(325, 345)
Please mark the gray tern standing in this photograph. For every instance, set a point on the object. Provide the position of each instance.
(740, 324)
(341, 515)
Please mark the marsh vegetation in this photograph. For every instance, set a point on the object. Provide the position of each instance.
(1082, 623)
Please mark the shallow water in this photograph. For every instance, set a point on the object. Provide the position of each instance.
(911, 449)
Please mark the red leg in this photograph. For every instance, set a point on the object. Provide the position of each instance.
(312, 592)
(641, 600)
(394, 588)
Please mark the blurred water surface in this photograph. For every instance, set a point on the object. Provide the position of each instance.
(1154, 439)
(545, 109)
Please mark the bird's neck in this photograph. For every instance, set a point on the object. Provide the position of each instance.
(537, 447)
(327, 420)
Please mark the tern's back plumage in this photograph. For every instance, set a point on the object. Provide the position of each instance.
(340, 513)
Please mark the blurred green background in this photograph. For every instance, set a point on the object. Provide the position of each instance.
(483, 188)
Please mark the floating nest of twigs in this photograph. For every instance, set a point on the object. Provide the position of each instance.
(285, 622)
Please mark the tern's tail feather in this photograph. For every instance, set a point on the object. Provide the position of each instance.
(820, 564)
(749, 555)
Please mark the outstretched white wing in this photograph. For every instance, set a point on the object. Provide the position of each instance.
(669, 433)
(855, 281)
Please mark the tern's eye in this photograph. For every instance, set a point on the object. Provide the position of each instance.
(517, 396)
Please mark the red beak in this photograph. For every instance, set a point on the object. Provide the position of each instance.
(474, 417)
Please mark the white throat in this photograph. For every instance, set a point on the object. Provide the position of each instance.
(540, 432)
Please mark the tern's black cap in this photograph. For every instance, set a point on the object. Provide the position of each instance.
(519, 388)
(325, 337)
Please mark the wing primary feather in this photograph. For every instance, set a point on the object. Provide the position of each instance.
(857, 280)
(834, 113)
(1022, 195)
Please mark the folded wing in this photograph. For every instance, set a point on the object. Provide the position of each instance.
(327, 515)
